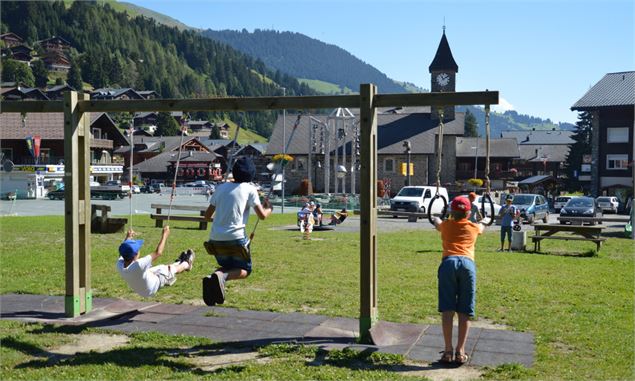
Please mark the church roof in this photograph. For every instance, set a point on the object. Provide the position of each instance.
(443, 60)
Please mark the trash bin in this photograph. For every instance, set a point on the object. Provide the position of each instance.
(519, 240)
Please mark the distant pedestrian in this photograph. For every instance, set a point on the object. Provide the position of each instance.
(475, 214)
(507, 214)
(457, 276)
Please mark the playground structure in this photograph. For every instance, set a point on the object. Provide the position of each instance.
(76, 108)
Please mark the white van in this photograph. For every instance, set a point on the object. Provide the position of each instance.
(417, 199)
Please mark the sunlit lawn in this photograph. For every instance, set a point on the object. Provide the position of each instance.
(579, 307)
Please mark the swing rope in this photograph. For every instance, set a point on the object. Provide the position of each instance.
(176, 171)
(487, 198)
(130, 174)
(439, 154)
(278, 171)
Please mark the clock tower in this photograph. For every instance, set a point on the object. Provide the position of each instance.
(443, 71)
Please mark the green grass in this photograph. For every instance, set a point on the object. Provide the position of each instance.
(245, 136)
(325, 87)
(577, 303)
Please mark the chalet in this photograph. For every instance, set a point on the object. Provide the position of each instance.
(109, 93)
(611, 102)
(56, 61)
(223, 129)
(105, 138)
(471, 154)
(20, 93)
(20, 53)
(160, 155)
(542, 152)
(200, 127)
(148, 94)
(57, 92)
(11, 39)
(55, 43)
(256, 151)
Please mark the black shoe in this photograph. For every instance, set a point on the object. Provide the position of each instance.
(188, 257)
(218, 288)
(181, 256)
(208, 297)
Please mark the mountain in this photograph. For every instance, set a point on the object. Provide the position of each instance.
(114, 49)
(304, 57)
(135, 10)
(512, 120)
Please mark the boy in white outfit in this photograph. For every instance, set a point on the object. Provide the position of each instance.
(228, 240)
(138, 273)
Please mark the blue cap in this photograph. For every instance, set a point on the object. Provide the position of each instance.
(130, 247)
(244, 170)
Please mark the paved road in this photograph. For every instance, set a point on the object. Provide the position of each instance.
(141, 205)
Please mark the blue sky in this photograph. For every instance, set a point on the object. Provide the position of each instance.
(541, 55)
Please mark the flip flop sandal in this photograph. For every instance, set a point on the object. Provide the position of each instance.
(446, 358)
(461, 358)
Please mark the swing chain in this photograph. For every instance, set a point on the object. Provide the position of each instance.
(487, 148)
(439, 150)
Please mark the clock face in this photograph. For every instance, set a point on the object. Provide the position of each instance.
(443, 79)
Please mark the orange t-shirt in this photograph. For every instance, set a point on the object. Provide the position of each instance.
(459, 237)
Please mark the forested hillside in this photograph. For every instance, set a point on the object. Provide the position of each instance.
(114, 50)
(512, 120)
(305, 57)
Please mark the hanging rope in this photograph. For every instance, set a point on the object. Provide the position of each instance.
(176, 171)
(487, 198)
(437, 194)
(130, 174)
(278, 170)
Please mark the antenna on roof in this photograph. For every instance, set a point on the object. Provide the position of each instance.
(443, 24)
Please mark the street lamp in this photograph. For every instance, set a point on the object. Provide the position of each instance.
(406, 145)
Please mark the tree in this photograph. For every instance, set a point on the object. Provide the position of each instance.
(40, 73)
(581, 147)
(215, 132)
(59, 81)
(14, 71)
(470, 128)
(166, 125)
(75, 77)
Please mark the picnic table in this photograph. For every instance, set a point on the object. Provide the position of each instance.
(578, 233)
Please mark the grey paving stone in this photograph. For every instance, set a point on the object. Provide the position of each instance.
(395, 349)
(363, 348)
(289, 328)
(346, 324)
(435, 341)
(151, 317)
(253, 315)
(504, 346)
(427, 354)
(296, 317)
(322, 332)
(171, 309)
(122, 306)
(386, 333)
(482, 358)
(499, 334)
(436, 330)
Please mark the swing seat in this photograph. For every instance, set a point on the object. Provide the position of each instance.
(240, 251)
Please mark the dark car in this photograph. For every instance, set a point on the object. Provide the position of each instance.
(580, 207)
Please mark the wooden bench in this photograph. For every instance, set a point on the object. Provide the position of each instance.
(202, 223)
(585, 233)
(592, 219)
(101, 222)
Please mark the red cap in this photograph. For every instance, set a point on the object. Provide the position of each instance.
(461, 203)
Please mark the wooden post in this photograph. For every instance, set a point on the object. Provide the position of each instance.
(77, 209)
(368, 208)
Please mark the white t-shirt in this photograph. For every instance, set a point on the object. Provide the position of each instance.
(232, 202)
(139, 277)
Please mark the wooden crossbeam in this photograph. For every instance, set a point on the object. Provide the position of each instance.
(258, 103)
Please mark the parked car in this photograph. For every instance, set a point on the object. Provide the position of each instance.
(478, 201)
(581, 207)
(608, 204)
(532, 207)
(561, 202)
(417, 199)
(136, 189)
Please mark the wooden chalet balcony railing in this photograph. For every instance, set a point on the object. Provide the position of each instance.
(101, 143)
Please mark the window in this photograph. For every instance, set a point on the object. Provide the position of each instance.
(617, 162)
(617, 135)
(298, 164)
(389, 165)
(45, 155)
(463, 166)
(6, 154)
(96, 133)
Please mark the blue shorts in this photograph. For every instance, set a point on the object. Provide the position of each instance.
(231, 262)
(506, 230)
(457, 285)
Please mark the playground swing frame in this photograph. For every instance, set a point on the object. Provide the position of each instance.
(76, 108)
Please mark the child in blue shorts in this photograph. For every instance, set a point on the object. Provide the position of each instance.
(228, 240)
(457, 276)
